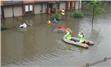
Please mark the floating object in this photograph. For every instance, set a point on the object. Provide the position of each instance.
(55, 21)
(24, 25)
(68, 30)
(75, 42)
(49, 26)
(63, 13)
(49, 22)
(62, 10)
(61, 28)
(64, 29)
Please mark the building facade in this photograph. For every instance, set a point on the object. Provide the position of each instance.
(29, 7)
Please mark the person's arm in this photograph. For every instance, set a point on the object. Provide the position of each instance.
(67, 33)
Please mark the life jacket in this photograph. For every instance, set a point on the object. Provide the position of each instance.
(68, 36)
(63, 13)
(81, 38)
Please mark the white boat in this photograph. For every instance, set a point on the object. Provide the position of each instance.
(24, 25)
(75, 42)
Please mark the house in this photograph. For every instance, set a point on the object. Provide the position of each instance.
(10, 8)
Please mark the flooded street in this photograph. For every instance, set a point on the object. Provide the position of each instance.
(40, 45)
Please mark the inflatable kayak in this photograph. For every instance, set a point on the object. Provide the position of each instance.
(88, 42)
(75, 42)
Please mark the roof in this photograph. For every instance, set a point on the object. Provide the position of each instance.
(17, 2)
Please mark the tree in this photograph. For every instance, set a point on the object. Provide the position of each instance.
(95, 7)
(77, 13)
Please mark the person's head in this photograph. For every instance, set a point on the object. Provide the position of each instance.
(49, 22)
(68, 29)
(62, 10)
(81, 33)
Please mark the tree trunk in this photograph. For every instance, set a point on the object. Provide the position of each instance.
(2, 17)
(13, 13)
(93, 17)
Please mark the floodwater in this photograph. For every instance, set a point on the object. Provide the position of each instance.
(39, 45)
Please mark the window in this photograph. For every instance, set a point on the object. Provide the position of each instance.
(28, 9)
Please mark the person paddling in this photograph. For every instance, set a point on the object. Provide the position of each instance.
(68, 36)
(81, 37)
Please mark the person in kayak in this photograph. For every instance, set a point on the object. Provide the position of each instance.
(81, 37)
(68, 32)
(55, 20)
(68, 35)
(63, 12)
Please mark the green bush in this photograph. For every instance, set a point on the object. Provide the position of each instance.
(57, 16)
(78, 14)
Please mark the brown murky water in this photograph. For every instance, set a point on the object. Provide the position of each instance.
(39, 45)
